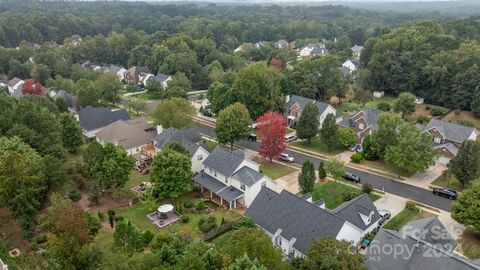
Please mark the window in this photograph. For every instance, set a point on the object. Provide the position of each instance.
(215, 173)
(437, 140)
(279, 241)
(242, 187)
(200, 157)
(360, 126)
(226, 180)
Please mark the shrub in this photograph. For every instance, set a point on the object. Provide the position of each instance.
(436, 111)
(201, 206)
(244, 222)
(347, 196)
(457, 111)
(147, 237)
(422, 119)
(367, 188)
(411, 205)
(41, 239)
(34, 247)
(208, 224)
(100, 215)
(185, 219)
(357, 157)
(384, 106)
(74, 195)
(463, 122)
(188, 204)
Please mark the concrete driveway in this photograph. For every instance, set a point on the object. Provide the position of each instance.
(393, 203)
(424, 179)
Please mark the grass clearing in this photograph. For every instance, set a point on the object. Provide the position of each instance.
(384, 167)
(273, 170)
(350, 105)
(406, 216)
(448, 181)
(470, 244)
(464, 115)
(211, 145)
(333, 194)
(317, 145)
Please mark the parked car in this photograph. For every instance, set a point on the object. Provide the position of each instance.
(446, 192)
(351, 177)
(290, 138)
(355, 148)
(252, 137)
(385, 214)
(286, 157)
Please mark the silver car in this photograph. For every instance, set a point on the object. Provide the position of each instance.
(286, 157)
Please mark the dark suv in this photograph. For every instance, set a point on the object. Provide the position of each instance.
(446, 192)
(351, 177)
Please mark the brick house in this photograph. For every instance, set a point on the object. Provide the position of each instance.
(294, 105)
(448, 137)
(364, 122)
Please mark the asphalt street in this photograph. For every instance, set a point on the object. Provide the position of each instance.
(421, 195)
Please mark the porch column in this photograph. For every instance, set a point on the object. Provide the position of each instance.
(235, 204)
(221, 201)
(201, 188)
(230, 203)
(211, 196)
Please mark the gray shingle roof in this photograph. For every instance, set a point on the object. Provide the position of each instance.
(71, 100)
(429, 229)
(357, 49)
(125, 134)
(450, 131)
(294, 216)
(247, 176)
(113, 69)
(449, 146)
(209, 182)
(96, 117)
(303, 101)
(230, 193)
(370, 116)
(161, 77)
(350, 211)
(223, 161)
(188, 137)
(420, 255)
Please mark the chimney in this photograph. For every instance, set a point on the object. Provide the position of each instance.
(287, 98)
(159, 129)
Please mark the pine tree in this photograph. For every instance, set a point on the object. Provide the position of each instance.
(308, 124)
(306, 178)
(322, 173)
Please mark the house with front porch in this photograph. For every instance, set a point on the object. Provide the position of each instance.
(294, 105)
(364, 122)
(448, 137)
(293, 223)
(232, 179)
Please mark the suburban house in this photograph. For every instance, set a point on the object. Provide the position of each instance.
(162, 78)
(92, 119)
(76, 40)
(281, 44)
(230, 178)
(352, 65)
(363, 122)
(131, 134)
(448, 137)
(356, 51)
(294, 222)
(294, 105)
(312, 50)
(15, 87)
(188, 138)
(71, 100)
(3, 266)
(119, 71)
(245, 46)
(133, 74)
(421, 244)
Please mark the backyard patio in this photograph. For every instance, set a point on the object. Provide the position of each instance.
(164, 216)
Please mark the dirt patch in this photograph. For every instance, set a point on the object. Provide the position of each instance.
(106, 203)
(11, 234)
(464, 115)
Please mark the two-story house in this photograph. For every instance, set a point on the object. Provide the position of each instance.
(448, 137)
(163, 79)
(312, 50)
(294, 105)
(364, 122)
(92, 119)
(232, 178)
(135, 74)
(356, 51)
(118, 71)
(293, 223)
(188, 138)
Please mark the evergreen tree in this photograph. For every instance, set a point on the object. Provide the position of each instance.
(322, 173)
(72, 137)
(307, 126)
(306, 178)
(329, 131)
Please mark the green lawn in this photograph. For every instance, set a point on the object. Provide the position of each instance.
(332, 194)
(318, 146)
(384, 167)
(406, 216)
(470, 244)
(450, 182)
(211, 144)
(138, 216)
(353, 106)
(273, 170)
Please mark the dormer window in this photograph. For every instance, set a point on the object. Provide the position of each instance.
(360, 126)
(242, 187)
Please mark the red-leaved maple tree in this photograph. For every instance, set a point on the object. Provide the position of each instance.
(271, 127)
(30, 87)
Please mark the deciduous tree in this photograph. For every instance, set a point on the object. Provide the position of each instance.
(219, 95)
(108, 86)
(307, 126)
(363, 96)
(405, 104)
(245, 263)
(71, 132)
(116, 167)
(271, 128)
(466, 209)
(174, 112)
(336, 169)
(329, 253)
(346, 137)
(137, 105)
(233, 124)
(127, 237)
(171, 172)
